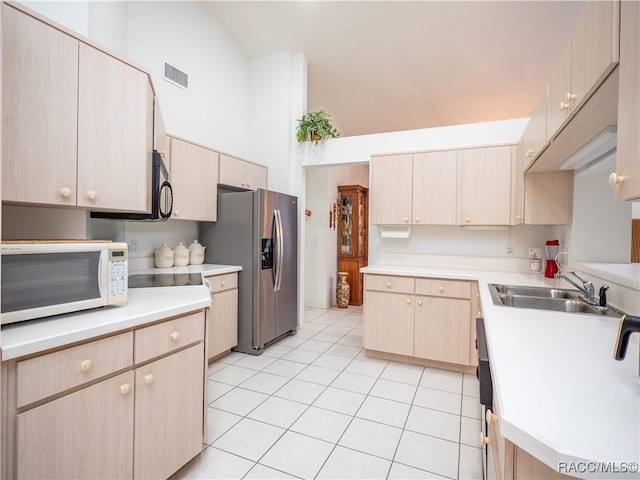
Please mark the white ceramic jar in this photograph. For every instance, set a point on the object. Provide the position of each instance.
(164, 256)
(180, 255)
(196, 253)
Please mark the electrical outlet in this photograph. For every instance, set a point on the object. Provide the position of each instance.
(133, 247)
(509, 250)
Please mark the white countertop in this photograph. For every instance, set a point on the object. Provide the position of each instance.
(206, 269)
(560, 393)
(143, 305)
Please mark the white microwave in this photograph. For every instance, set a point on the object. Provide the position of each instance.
(42, 278)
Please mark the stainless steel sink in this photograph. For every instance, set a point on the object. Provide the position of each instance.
(541, 298)
(536, 291)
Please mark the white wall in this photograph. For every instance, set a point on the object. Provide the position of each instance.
(320, 249)
(360, 148)
(22, 222)
(601, 230)
(215, 111)
(108, 25)
(73, 15)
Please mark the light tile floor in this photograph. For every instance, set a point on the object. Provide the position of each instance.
(314, 406)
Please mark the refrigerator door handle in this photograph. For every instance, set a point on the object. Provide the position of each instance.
(274, 236)
(280, 250)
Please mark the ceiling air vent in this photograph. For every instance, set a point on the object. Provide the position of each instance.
(175, 76)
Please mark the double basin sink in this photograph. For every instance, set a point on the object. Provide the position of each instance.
(543, 298)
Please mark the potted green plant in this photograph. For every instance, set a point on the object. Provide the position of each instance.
(316, 127)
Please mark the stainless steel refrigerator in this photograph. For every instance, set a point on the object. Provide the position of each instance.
(259, 231)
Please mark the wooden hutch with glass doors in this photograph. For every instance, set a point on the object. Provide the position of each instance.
(353, 220)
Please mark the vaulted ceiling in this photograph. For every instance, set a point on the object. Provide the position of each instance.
(382, 66)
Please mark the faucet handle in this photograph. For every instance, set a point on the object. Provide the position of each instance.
(602, 295)
(585, 282)
(628, 325)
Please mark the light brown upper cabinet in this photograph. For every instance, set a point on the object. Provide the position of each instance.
(626, 180)
(435, 186)
(590, 55)
(391, 189)
(115, 134)
(534, 138)
(40, 111)
(486, 185)
(236, 172)
(194, 178)
(77, 122)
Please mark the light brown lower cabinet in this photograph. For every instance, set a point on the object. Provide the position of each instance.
(222, 317)
(507, 461)
(86, 434)
(168, 413)
(421, 320)
(143, 418)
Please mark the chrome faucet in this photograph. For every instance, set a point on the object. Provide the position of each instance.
(587, 287)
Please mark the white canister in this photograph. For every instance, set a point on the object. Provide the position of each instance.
(164, 256)
(196, 253)
(535, 265)
(180, 255)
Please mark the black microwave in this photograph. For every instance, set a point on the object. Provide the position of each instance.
(161, 196)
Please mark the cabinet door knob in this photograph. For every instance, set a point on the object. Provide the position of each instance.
(441, 289)
(479, 314)
(176, 213)
(65, 192)
(408, 301)
(615, 180)
(86, 365)
(492, 418)
(570, 97)
(241, 183)
(175, 336)
(148, 379)
(91, 195)
(419, 303)
(530, 152)
(484, 440)
(564, 106)
(388, 284)
(467, 219)
(124, 389)
(518, 217)
(406, 219)
(248, 184)
(223, 283)
(163, 154)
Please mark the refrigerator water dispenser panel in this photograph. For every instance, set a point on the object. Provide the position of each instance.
(267, 253)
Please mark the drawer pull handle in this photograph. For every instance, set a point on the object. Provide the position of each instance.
(441, 289)
(388, 284)
(86, 365)
(484, 440)
(124, 389)
(492, 418)
(148, 379)
(408, 301)
(175, 336)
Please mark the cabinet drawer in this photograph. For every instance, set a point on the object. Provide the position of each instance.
(223, 282)
(443, 288)
(157, 340)
(46, 375)
(386, 283)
